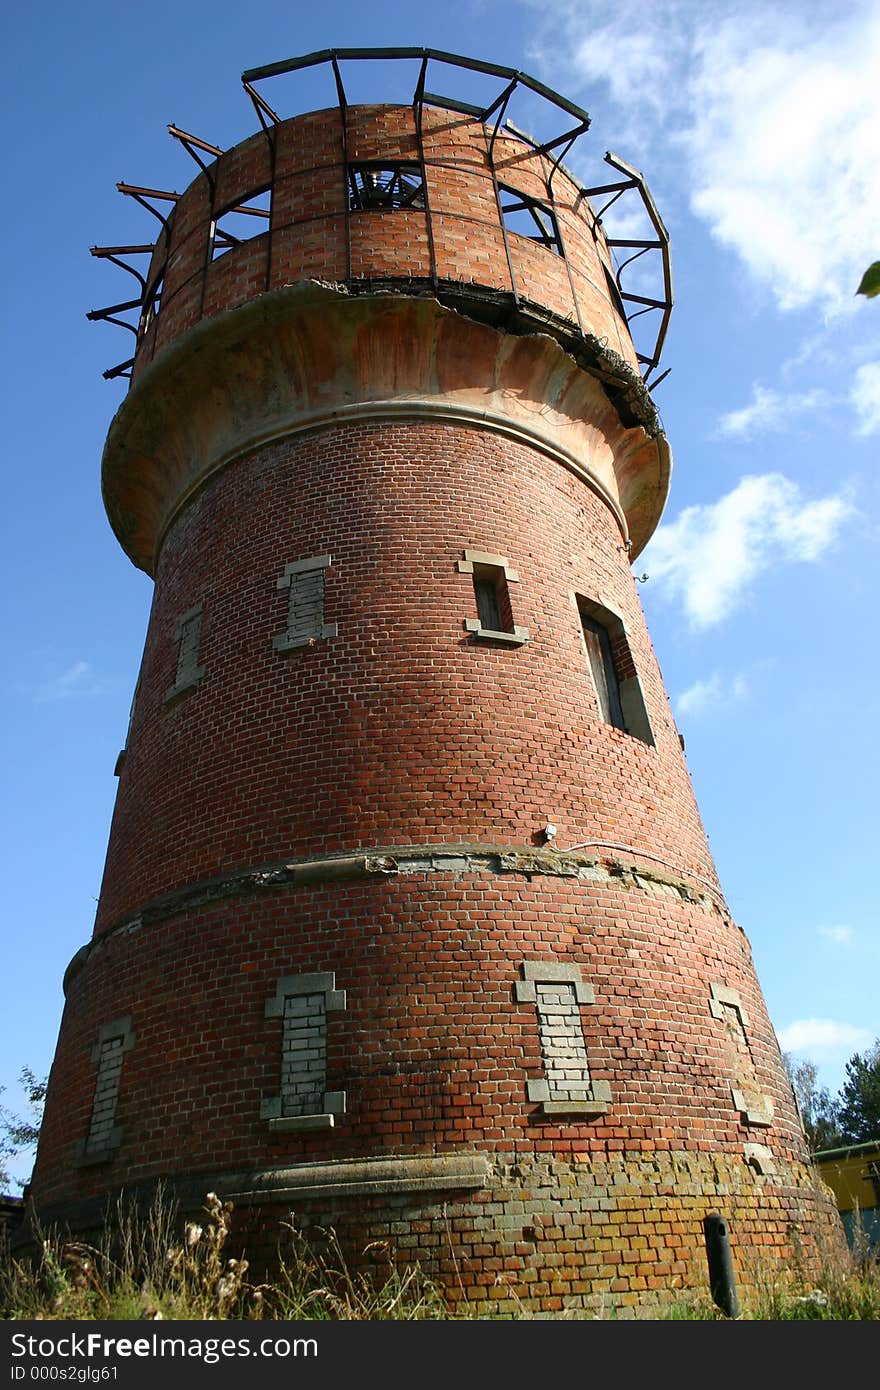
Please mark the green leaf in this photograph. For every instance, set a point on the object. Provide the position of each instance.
(870, 286)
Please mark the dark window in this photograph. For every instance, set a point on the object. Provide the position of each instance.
(241, 222)
(615, 679)
(388, 186)
(601, 659)
(493, 599)
(491, 575)
(529, 217)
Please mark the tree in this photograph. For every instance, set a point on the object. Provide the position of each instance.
(870, 282)
(858, 1106)
(818, 1110)
(19, 1134)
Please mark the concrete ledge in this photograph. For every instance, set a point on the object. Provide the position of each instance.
(362, 1177)
(285, 1123)
(488, 634)
(595, 866)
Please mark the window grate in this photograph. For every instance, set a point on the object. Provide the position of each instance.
(385, 187)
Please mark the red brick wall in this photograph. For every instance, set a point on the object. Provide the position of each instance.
(312, 236)
(288, 754)
(401, 731)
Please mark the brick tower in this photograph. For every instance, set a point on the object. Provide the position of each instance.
(408, 924)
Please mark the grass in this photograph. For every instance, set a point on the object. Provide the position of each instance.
(153, 1266)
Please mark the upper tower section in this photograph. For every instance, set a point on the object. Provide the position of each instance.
(439, 200)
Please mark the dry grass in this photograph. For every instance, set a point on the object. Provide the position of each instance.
(154, 1266)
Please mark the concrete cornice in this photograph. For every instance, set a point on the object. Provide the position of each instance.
(309, 356)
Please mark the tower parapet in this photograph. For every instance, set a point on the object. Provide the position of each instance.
(408, 918)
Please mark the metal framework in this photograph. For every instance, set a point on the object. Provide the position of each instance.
(639, 246)
(403, 184)
(391, 184)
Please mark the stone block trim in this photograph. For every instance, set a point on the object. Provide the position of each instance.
(726, 1005)
(303, 1002)
(305, 610)
(104, 1136)
(188, 635)
(760, 1158)
(722, 995)
(557, 990)
(492, 573)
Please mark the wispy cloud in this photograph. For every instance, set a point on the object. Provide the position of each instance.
(715, 692)
(78, 682)
(771, 410)
(784, 179)
(865, 397)
(711, 554)
(783, 176)
(840, 935)
(824, 1039)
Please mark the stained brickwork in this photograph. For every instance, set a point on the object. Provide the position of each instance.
(363, 983)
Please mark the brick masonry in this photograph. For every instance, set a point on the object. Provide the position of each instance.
(364, 986)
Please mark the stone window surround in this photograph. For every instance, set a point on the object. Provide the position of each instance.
(761, 1114)
(286, 641)
(518, 635)
(632, 699)
(87, 1152)
(272, 1107)
(188, 674)
(556, 972)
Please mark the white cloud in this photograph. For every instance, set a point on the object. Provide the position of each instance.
(711, 693)
(824, 1039)
(772, 114)
(782, 139)
(841, 935)
(710, 555)
(770, 410)
(865, 397)
(77, 681)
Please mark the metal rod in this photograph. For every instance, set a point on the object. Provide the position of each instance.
(419, 111)
(261, 106)
(121, 369)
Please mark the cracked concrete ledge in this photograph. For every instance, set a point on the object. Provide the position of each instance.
(310, 356)
(400, 860)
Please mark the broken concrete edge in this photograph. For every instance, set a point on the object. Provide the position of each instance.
(391, 861)
(496, 310)
(394, 860)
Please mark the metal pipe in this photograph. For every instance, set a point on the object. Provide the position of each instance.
(721, 1280)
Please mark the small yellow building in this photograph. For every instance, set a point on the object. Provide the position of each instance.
(853, 1174)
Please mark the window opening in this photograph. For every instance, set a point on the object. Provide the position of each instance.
(529, 217)
(152, 302)
(615, 679)
(385, 186)
(241, 222)
(305, 606)
(491, 575)
(601, 659)
(188, 634)
(493, 599)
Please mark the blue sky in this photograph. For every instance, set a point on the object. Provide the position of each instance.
(757, 133)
